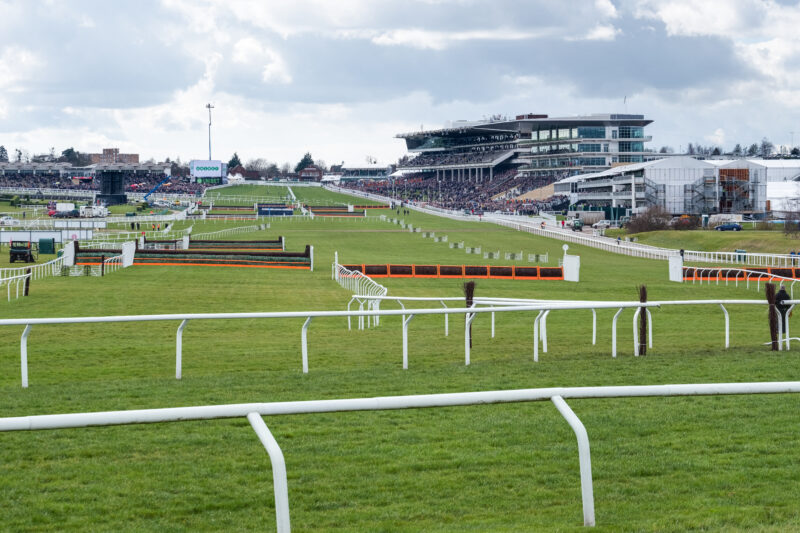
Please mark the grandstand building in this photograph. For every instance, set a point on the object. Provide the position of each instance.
(539, 149)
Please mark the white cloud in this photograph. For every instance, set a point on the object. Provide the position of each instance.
(601, 32)
(16, 65)
(439, 40)
(273, 68)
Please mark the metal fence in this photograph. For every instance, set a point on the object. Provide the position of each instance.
(18, 282)
(499, 305)
(714, 275)
(254, 412)
(42, 270)
(232, 231)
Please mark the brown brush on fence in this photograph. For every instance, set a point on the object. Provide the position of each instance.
(469, 294)
(643, 321)
(773, 315)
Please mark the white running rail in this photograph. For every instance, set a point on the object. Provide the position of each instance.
(498, 306)
(18, 282)
(714, 275)
(42, 270)
(255, 411)
(232, 231)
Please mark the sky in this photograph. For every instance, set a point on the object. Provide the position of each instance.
(340, 79)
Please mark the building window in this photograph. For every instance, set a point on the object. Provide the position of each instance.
(589, 147)
(631, 132)
(592, 133)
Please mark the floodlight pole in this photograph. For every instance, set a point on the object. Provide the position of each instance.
(209, 107)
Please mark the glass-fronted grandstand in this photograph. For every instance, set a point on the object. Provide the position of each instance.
(536, 148)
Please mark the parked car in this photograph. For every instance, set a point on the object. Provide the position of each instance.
(8, 221)
(602, 224)
(730, 226)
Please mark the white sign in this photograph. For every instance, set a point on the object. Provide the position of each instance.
(207, 169)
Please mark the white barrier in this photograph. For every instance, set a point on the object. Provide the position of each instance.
(18, 282)
(42, 270)
(704, 274)
(498, 306)
(232, 231)
(255, 411)
(359, 284)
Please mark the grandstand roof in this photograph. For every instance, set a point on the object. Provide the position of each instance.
(526, 124)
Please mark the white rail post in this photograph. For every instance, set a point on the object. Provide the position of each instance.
(405, 340)
(23, 355)
(281, 486)
(636, 333)
(786, 326)
(614, 333)
(304, 344)
(468, 318)
(649, 327)
(584, 457)
(446, 320)
(727, 326)
(179, 349)
(536, 337)
(493, 325)
(594, 327)
(544, 331)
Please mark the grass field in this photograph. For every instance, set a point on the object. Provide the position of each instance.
(710, 464)
(775, 242)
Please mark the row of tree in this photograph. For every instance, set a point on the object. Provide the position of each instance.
(73, 157)
(763, 149)
(269, 169)
(70, 155)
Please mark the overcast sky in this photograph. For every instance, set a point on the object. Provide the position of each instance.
(340, 78)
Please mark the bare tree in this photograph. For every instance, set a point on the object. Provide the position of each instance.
(766, 148)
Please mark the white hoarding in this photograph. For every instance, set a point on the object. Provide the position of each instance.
(206, 169)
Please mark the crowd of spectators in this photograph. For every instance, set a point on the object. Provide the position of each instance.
(481, 155)
(133, 182)
(469, 196)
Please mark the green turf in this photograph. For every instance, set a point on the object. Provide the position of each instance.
(704, 464)
(709, 240)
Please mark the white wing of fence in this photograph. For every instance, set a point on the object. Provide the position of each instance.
(255, 411)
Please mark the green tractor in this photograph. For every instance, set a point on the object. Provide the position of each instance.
(27, 252)
(577, 225)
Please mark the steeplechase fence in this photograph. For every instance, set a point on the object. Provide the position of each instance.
(228, 258)
(459, 271)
